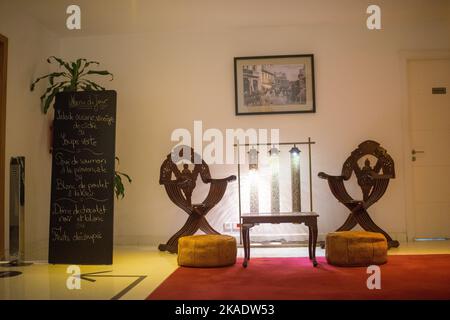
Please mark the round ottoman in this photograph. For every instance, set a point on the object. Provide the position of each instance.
(208, 250)
(355, 248)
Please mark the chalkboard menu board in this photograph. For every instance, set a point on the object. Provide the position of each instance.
(82, 197)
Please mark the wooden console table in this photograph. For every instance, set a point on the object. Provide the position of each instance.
(308, 218)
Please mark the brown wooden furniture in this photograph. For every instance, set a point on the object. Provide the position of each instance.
(373, 181)
(3, 67)
(308, 218)
(179, 186)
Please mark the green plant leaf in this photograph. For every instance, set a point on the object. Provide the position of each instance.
(125, 175)
(59, 60)
(75, 70)
(51, 76)
(86, 87)
(87, 64)
(101, 72)
(49, 89)
(50, 98)
(94, 85)
(74, 80)
(119, 189)
(61, 63)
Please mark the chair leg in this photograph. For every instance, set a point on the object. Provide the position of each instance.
(369, 225)
(206, 227)
(349, 224)
(189, 228)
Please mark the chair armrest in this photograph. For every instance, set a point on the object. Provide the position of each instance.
(323, 175)
(380, 176)
(227, 179)
(180, 182)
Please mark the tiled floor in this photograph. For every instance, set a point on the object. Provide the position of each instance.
(43, 281)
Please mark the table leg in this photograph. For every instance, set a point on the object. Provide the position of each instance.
(310, 236)
(314, 242)
(245, 240)
(248, 243)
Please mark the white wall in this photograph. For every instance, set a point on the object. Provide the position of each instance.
(169, 77)
(180, 69)
(27, 129)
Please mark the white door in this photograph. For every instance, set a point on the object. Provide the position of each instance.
(429, 109)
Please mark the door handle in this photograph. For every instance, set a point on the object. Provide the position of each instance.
(414, 152)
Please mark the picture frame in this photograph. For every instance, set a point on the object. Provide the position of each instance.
(274, 84)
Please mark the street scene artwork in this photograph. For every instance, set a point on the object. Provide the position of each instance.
(274, 84)
(267, 84)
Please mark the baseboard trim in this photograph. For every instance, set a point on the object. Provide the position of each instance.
(145, 240)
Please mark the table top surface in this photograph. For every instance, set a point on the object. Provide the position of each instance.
(278, 215)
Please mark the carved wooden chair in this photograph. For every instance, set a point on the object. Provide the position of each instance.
(180, 184)
(373, 181)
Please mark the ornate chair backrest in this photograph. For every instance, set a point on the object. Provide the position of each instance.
(185, 179)
(384, 166)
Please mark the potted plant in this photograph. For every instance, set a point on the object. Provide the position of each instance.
(74, 76)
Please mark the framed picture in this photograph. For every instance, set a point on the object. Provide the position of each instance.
(274, 84)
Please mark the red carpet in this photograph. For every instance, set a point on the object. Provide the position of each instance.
(403, 277)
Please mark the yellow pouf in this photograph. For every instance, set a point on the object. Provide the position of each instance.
(356, 248)
(207, 251)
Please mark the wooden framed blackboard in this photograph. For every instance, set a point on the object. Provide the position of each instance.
(82, 190)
